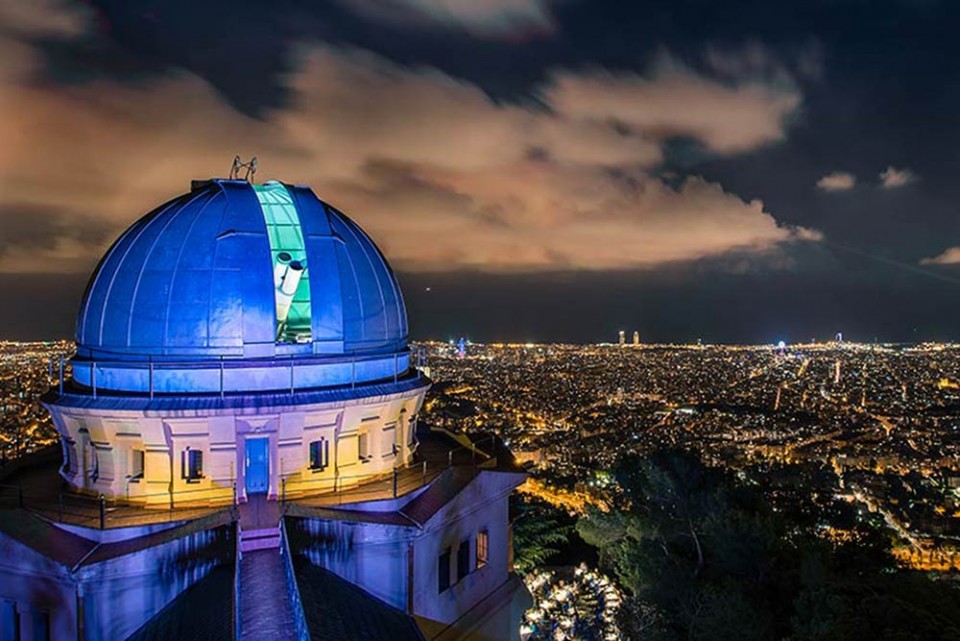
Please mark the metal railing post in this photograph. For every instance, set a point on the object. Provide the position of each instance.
(93, 377)
(450, 458)
(395, 475)
(151, 377)
(103, 511)
(292, 387)
(283, 493)
(221, 377)
(424, 480)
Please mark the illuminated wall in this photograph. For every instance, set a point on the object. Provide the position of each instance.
(378, 556)
(141, 455)
(117, 594)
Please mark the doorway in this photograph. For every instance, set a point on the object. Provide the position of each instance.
(256, 465)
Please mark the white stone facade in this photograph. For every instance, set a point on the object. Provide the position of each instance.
(191, 456)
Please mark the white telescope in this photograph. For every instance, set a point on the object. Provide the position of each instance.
(280, 269)
(287, 288)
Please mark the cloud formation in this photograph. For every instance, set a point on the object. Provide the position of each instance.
(891, 178)
(442, 176)
(950, 256)
(481, 18)
(727, 117)
(837, 181)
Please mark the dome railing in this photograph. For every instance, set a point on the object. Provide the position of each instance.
(229, 376)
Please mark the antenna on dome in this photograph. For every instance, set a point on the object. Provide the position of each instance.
(248, 169)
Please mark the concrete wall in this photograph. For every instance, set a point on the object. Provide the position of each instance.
(116, 596)
(378, 558)
(120, 595)
(32, 584)
(482, 505)
(371, 556)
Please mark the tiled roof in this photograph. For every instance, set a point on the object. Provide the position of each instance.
(203, 612)
(337, 610)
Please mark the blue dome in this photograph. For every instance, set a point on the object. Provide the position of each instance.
(234, 270)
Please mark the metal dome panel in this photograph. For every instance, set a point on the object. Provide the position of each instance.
(195, 279)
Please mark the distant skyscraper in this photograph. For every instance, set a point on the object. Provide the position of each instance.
(461, 347)
(636, 338)
(623, 337)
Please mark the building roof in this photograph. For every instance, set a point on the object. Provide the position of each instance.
(56, 544)
(74, 551)
(336, 609)
(416, 512)
(196, 279)
(211, 597)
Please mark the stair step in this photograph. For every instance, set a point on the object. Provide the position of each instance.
(261, 539)
(266, 606)
(264, 543)
(260, 533)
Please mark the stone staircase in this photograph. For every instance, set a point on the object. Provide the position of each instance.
(267, 538)
(266, 608)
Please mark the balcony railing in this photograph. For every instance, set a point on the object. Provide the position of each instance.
(230, 375)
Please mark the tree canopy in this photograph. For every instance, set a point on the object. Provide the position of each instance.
(706, 557)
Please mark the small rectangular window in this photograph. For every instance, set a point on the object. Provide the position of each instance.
(319, 454)
(40, 621)
(136, 464)
(364, 447)
(388, 441)
(69, 456)
(9, 621)
(443, 571)
(483, 543)
(94, 463)
(191, 462)
(463, 559)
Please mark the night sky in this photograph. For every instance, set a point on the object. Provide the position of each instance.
(534, 169)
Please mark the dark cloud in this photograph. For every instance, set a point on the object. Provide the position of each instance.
(30, 234)
(498, 19)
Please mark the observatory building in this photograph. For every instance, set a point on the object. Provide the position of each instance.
(243, 403)
(237, 337)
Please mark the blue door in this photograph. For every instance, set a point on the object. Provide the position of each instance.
(257, 465)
